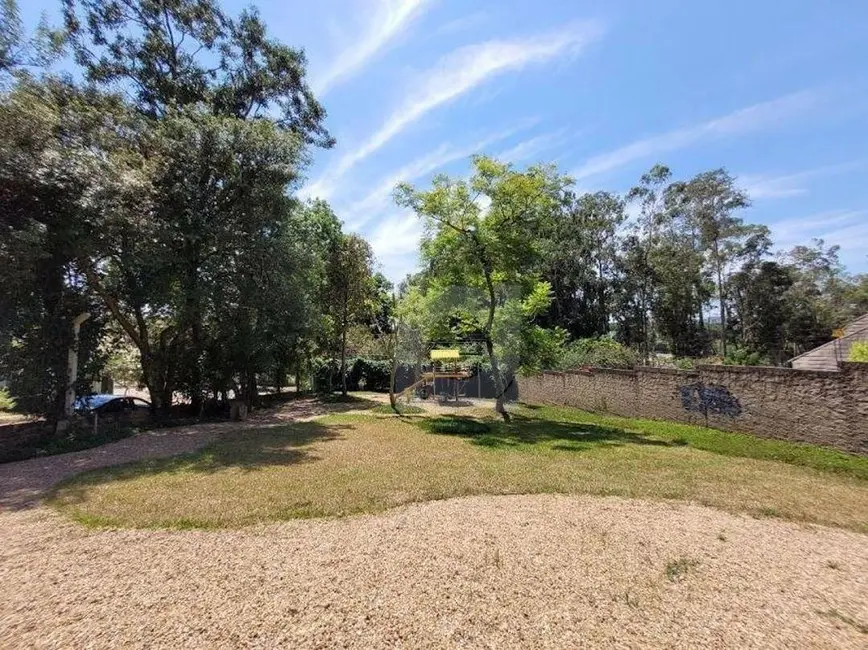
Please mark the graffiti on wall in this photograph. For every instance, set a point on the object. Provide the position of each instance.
(709, 399)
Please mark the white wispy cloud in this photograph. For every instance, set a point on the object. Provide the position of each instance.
(740, 122)
(455, 75)
(531, 147)
(771, 186)
(395, 242)
(847, 228)
(385, 22)
(469, 21)
(380, 197)
(396, 235)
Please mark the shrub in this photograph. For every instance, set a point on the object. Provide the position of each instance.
(367, 374)
(739, 356)
(683, 363)
(859, 352)
(6, 401)
(605, 352)
(370, 374)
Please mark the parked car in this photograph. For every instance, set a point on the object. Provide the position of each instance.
(106, 404)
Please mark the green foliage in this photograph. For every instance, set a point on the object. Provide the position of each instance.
(683, 363)
(580, 261)
(17, 49)
(123, 363)
(57, 161)
(361, 374)
(190, 52)
(6, 401)
(482, 281)
(169, 213)
(859, 352)
(760, 301)
(739, 356)
(603, 352)
(353, 292)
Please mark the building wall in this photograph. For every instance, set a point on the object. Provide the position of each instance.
(829, 355)
(824, 408)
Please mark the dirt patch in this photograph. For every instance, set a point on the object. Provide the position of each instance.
(510, 572)
(466, 406)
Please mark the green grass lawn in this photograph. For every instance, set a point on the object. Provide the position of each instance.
(345, 464)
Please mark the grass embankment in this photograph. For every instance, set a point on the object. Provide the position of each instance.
(345, 464)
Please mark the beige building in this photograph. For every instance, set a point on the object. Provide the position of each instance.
(827, 356)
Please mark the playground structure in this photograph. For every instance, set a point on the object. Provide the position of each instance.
(446, 368)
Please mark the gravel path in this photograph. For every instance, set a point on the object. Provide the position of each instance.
(23, 483)
(540, 571)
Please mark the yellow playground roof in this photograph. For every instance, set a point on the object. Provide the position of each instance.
(437, 355)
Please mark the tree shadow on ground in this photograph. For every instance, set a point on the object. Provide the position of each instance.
(247, 450)
(523, 430)
(313, 405)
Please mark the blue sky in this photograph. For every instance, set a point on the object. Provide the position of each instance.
(776, 92)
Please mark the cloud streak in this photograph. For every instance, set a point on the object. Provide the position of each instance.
(456, 74)
(395, 242)
(845, 228)
(388, 20)
(740, 122)
(379, 198)
(767, 186)
(532, 146)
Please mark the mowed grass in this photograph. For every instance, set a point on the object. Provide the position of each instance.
(346, 464)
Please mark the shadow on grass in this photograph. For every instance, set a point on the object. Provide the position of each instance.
(353, 401)
(522, 430)
(313, 405)
(248, 450)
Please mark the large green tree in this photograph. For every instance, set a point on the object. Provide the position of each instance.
(482, 248)
(352, 291)
(227, 116)
(580, 259)
(63, 172)
(710, 202)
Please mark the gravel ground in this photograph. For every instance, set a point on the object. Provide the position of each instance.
(541, 571)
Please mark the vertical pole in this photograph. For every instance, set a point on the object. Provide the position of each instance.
(72, 365)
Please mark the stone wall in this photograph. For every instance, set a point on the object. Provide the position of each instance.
(823, 408)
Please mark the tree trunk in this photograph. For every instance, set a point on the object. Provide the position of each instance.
(197, 402)
(499, 405)
(344, 351)
(722, 307)
(166, 410)
(393, 400)
(192, 319)
(344, 363)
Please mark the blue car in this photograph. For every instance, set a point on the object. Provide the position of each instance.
(110, 404)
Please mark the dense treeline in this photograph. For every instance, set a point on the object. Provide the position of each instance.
(687, 275)
(519, 263)
(154, 190)
(156, 195)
